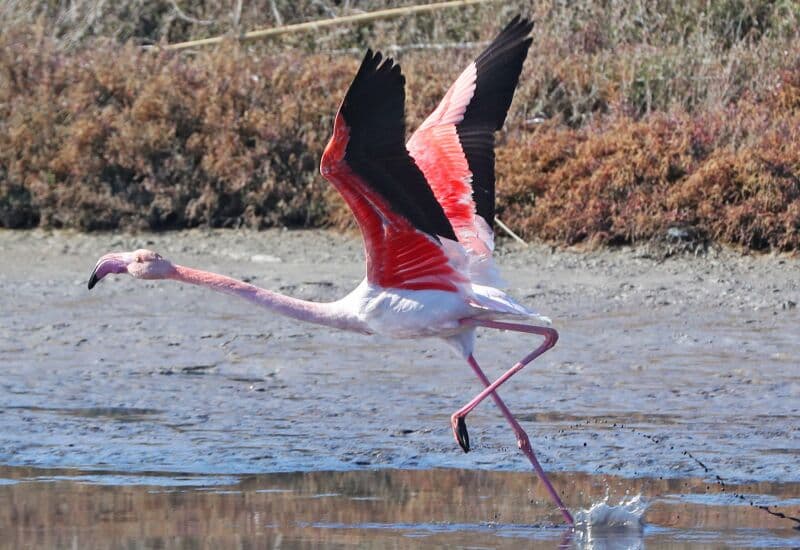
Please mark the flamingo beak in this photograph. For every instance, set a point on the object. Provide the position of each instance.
(110, 263)
(93, 280)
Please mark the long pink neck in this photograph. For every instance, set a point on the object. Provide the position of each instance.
(320, 313)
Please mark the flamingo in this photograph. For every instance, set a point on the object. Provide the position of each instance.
(424, 209)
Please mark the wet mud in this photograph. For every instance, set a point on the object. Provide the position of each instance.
(666, 369)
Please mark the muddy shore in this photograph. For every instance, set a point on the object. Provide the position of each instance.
(693, 355)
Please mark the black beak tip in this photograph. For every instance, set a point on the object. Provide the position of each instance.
(93, 281)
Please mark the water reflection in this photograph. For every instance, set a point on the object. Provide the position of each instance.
(367, 509)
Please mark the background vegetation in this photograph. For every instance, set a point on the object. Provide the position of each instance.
(634, 121)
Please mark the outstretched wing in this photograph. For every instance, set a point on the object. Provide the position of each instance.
(366, 160)
(454, 146)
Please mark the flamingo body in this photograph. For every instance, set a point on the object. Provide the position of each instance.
(406, 313)
(409, 313)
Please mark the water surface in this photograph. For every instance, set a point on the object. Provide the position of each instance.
(375, 509)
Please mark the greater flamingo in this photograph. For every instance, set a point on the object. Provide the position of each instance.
(425, 210)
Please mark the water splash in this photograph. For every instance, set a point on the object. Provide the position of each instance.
(606, 525)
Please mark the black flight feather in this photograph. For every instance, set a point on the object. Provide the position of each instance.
(374, 110)
(497, 75)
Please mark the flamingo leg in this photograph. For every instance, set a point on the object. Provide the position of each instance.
(459, 425)
(550, 339)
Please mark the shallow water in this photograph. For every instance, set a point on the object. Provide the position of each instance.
(376, 509)
(665, 371)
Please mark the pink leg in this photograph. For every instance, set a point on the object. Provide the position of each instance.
(550, 339)
(459, 424)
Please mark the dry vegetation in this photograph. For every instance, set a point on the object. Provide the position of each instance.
(634, 121)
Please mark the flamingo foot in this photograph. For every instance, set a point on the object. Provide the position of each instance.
(459, 425)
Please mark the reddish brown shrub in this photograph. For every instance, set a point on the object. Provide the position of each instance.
(137, 139)
(732, 176)
(609, 140)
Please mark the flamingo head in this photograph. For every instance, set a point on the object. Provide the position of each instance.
(141, 264)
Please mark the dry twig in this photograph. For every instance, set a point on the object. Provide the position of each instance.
(314, 25)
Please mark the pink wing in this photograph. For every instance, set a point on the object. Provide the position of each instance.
(402, 223)
(454, 146)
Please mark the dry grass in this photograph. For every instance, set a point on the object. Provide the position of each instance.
(629, 120)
